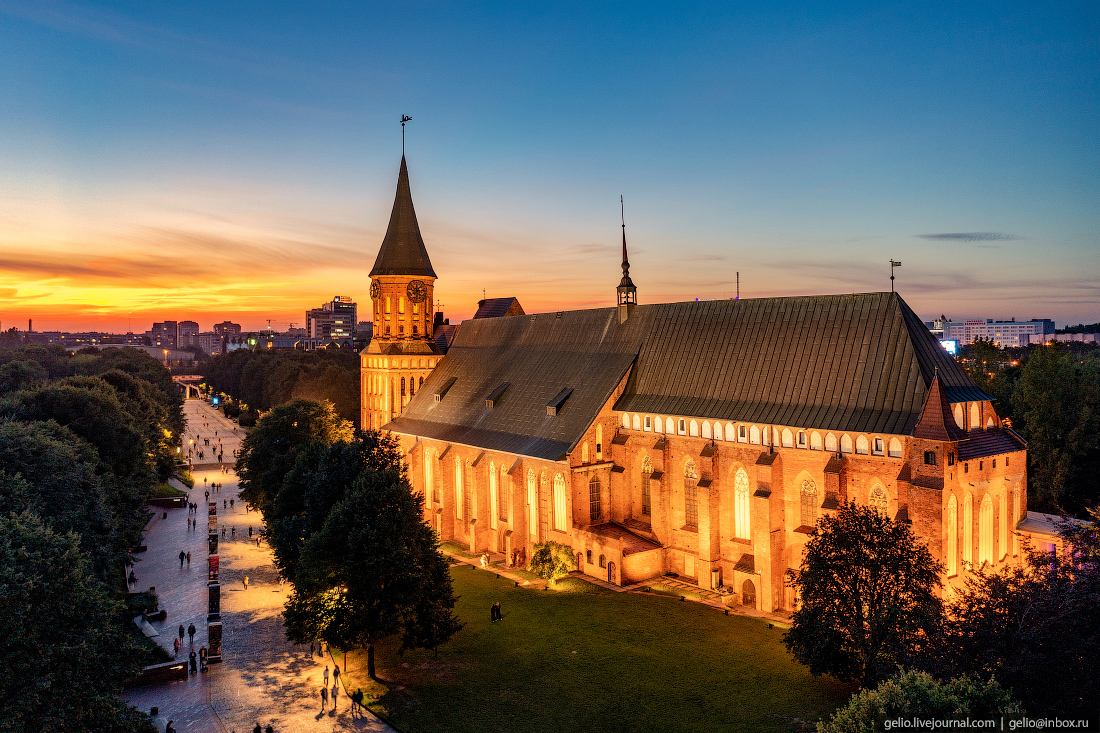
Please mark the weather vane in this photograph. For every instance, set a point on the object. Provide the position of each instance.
(893, 264)
(404, 119)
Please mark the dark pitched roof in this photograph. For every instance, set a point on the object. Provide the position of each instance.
(991, 442)
(497, 307)
(936, 422)
(839, 362)
(632, 543)
(443, 337)
(403, 251)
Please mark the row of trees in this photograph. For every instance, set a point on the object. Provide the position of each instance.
(83, 441)
(869, 607)
(1051, 395)
(265, 379)
(347, 531)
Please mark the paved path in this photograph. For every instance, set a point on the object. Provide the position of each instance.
(263, 678)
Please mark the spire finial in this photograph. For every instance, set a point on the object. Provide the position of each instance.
(627, 293)
(893, 263)
(404, 119)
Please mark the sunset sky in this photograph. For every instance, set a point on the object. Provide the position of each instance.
(238, 161)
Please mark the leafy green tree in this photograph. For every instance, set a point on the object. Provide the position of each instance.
(322, 475)
(269, 452)
(373, 570)
(56, 479)
(552, 560)
(1057, 407)
(916, 694)
(23, 374)
(867, 597)
(63, 655)
(1036, 627)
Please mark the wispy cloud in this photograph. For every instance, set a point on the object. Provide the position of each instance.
(970, 237)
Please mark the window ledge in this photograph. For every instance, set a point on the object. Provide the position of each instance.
(805, 529)
(741, 541)
(690, 528)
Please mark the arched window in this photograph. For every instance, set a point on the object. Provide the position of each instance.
(584, 452)
(594, 498)
(895, 448)
(470, 493)
(561, 514)
(459, 486)
(682, 427)
(648, 420)
(505, 494)
(741, 528)
(718, 431)
(845, 443)
(637, 422)
(706, 429)
(968, 530)
(952, 554)
(603, 561)
(588, 556)
(742, 433)
(532, 505)
(788, 438)
(494, 496)
(691, 506)
(815, 440)
(975, 416)
(599, 442)
(429, 477)
(861, 445)
(387, 305)
(1015, 516)
(985, 531)
(809, 503)
(647, 472)
(421, 382)
(754, 435)
(626, 421)
(670, 426)
(959, 416)
(989, 423)
(1002, 544)
(877, 500)
(402, 386)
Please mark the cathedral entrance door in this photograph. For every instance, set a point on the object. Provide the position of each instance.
(610, 572)
(748, 594)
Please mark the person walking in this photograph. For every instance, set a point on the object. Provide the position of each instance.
(194, 664)
(245, 581)
(176, 647)
(170, 728)
(182, 556)
(191, 633)
(324, 698)
(189, 559)
(230, 503)
(182, 632)
(326, 675)
(357, 701)
(312, 648)
(257, 729)
(250, 531)
(336, 673)
(335, 692)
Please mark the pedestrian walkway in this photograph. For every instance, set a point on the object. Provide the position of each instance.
(263, 678)
(209, 434)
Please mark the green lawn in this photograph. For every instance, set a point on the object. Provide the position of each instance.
(584, 658)
(164, 491)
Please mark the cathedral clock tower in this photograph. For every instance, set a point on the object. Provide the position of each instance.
(402, 351)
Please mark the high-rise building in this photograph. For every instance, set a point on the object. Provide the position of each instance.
(225, 329)
(336, 319)
(402, 351)
(164, 334)
(186, 332)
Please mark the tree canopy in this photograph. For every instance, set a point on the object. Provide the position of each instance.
(64, 657)
(866, 597)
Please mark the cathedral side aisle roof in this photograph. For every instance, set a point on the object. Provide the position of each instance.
(859, 363)
(403, 251)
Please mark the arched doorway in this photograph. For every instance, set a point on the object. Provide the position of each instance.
(748, 594)
(580, 561)
(611, 572)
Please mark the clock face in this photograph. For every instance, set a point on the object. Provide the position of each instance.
(375, 290)
(417, 291)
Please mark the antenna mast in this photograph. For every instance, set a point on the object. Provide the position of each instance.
(404, 119)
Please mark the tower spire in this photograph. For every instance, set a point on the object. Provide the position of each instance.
(627, 293)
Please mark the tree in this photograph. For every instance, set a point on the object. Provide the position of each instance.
(64, 657)
(373, 570)
(17, 375)
(916, 694)
(1036, 627)
(1057, 407)
(269, 451)
(50, 471)
(552, 560)
(867, 601)
(322, 475)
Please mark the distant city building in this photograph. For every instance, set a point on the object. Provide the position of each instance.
(227, 329)
(186, 332)
(210, 342)
(936, 326)
(1065, 338)
(336, 319)
(1001, 333)
(164, 334)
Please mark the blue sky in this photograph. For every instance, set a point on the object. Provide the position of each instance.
(233, 160)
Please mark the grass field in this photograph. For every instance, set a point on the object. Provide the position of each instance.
(583, 658)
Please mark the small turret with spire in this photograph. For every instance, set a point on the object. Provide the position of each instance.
(627, 293)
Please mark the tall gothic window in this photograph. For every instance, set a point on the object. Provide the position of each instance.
(599, 442)
(647, 471)
(968, 530)
(741, 528)
(494, 495)
(532, 505)
(561, 514)
(809, 503)
(953, 537)
(459, 486)
(594, 512)
(429, 477)
(985, 532)
(691, 502)
(505, 494)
